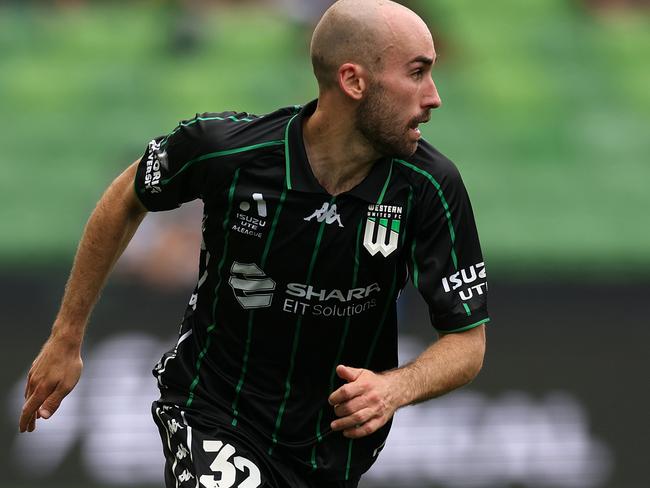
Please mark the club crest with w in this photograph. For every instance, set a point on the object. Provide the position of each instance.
(382, 229)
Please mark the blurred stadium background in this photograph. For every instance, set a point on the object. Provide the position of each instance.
(546, 112)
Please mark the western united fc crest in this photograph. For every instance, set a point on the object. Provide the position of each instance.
(382, 229)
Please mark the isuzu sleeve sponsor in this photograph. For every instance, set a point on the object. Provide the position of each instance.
(445, 262)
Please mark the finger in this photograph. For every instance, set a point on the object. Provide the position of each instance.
(345, 393)
(365, 429)
(53, 402)
(357, 418)
(32, 424)
(31, 405)
(27, 387)
(347, 408)
(26, 417)
(348, 373)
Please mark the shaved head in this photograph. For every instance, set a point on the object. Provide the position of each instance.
(362, 32)
(373, 60)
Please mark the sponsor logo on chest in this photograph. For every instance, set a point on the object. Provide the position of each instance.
(253, 288)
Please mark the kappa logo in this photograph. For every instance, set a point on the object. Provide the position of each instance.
(326, 213)
(249, 284)
(382, 220)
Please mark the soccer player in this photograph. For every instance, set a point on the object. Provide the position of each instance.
(285, 369)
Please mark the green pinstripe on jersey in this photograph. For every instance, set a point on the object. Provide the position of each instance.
(252, 312)
(251, 315)
(471, 326)
(226, 228)
(445, 205)
(389, 300)
(265, 254)
(217, 154)
(244, 368)
(287, 159)
(203, 119)
(296, 337)
(452, 234)
(380, 200)
(371, 352)
(349, 461)
(409, 206)
(344, 335)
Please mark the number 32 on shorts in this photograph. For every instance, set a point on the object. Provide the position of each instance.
(223, 464)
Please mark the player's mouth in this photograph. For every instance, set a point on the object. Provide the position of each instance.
(414, 127)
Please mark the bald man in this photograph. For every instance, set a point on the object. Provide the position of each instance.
(285, 371)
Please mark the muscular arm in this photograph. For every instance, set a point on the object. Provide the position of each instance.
(57, 368)
(369, 399)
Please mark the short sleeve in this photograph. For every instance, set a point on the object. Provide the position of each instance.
(169, 173)
(446, 263)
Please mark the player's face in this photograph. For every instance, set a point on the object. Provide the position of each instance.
(400, 97)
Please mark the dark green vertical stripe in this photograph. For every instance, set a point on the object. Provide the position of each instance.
(344, 335)
(349, 461)
(389, 301)
(274, 225)
(287, 155)
(416, 272)
(251, 314)
(244, 368)
(409, 206)
(371, 351)
(296, 337)
(386, 307)
(383, 190)
(226, 228)
(445, 206)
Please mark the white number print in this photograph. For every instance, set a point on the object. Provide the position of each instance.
(222, 464)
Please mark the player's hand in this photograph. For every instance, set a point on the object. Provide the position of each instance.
(364, 404)
(54, 373)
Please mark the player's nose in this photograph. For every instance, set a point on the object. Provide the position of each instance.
(432, 97)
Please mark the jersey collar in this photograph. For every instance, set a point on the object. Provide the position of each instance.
(300, 176)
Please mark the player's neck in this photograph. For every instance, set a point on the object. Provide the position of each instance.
(339, 156)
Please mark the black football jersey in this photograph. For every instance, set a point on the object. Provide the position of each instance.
(294, 281)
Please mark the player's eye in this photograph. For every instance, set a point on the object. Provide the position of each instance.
(418, 74)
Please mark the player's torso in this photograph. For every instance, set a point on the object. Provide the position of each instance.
(293, 282)
(280, 256)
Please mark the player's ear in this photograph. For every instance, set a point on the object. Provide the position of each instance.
(352, 80)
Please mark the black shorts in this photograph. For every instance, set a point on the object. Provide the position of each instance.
(200, 456)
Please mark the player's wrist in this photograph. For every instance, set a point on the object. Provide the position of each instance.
(67, 335)
(400, 388)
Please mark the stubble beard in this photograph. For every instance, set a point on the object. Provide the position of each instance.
(378, 122)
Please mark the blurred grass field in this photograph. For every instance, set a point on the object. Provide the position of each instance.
(546, 110)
